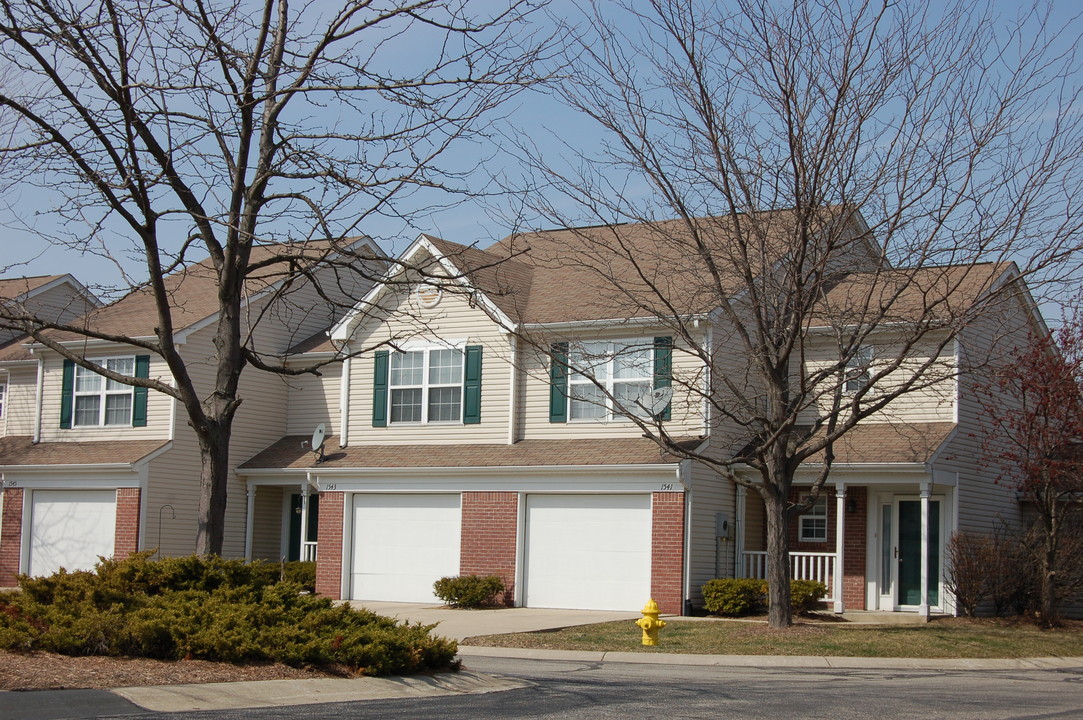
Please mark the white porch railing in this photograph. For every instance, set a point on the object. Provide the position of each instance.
(803, 566)
(308, 551)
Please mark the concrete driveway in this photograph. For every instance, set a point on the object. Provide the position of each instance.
(459, 624)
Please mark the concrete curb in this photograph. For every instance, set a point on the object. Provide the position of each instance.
(277, 693)
(787, 661)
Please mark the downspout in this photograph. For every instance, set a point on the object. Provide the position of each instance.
(708, 379)
(344, 400)
(40, 392)
(685, 477)
(513, 389)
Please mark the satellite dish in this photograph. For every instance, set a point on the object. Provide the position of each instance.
(318, 436)
(658, 399)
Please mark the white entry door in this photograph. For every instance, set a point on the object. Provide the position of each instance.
(70, 528)
(402, 544)
(590, 552)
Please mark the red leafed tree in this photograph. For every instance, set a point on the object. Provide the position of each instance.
(1034, 403)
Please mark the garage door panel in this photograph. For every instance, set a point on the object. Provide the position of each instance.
(402, 544)
(71, 529)
(588, 551)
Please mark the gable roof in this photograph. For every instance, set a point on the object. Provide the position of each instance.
(20, 287)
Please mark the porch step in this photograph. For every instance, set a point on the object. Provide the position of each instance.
(870, 617)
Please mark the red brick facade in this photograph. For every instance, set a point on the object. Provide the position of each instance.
(853, 579)
(489, 531)
(126, 539)
(11, 536)
(667, 551)
(329, 565)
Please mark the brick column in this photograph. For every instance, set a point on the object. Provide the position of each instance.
(489, 524)
(329, 536)
(667, 551)
(854, 549)
(11, 536)
(126, 539)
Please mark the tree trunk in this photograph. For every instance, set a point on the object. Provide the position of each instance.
(779, 614)
(1049, 567)
(210, 530)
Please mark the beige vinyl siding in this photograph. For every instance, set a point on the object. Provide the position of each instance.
(20, 397)
(451, 320)
(933, 401)
(314, 400)
(983, 502)
(711, 558)
(267, 527)
(687, 407)
(158, 404)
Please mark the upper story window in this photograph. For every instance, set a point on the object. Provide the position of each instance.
(625, 369)
(3, 396)
(100, 401)
(812, 526)
(426, 385)
(437, 384)
(858, 372)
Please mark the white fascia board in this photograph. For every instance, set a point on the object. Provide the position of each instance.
(71, 477)
(345, 327)
(609, 323)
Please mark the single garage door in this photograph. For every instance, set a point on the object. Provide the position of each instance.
(70, 529)
(590, 552)
(402, 544)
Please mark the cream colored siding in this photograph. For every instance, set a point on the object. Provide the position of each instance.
(711, 557)
(314, 400)
(687, 406)
(452, 320)
(158, 404)
(267, 527)
(932, 400)
(19, 399)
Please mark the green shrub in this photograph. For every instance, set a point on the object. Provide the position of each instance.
(734, 596)
(302, 572)
(805, 595)
(209, 609)
(468, 591)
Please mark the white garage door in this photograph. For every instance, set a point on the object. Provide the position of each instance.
(70, 529)
(589, 552)
(402, 544)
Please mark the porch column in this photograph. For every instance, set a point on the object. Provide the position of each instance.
(250, 496)
(840, 535)
(923, 606)
(739, 532)
(304, 521)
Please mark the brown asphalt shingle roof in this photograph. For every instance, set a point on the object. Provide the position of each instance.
(19, 450)
(17, 287)
(13, 351)
(289, 453)
(889, 443)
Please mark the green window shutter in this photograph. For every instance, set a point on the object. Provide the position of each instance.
(558, 383)
(472, 386)
(663, 369)
(66, 394)
(139, 402)
(379, 389)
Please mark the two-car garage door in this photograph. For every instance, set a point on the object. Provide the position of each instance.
(581, 551)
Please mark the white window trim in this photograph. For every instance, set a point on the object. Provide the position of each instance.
(858, 370)
(804, 522)
(4, 378)
(425, 386)
(610, 380)
(102, 393)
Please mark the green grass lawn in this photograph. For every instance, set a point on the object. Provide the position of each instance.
(942, 638)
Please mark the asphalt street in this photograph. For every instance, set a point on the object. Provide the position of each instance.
(583, 689)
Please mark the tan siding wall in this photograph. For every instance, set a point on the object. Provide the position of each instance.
(158, 404)
(19, 399)
(934, 403)
(687, 408)
(451, 320)
(314, 400)
(267, 528)
(711, 557)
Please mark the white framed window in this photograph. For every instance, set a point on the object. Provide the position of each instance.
(858, 371)
(3, 395)
(98, 401)
(426, 385)
(625, 368)
(812, 526)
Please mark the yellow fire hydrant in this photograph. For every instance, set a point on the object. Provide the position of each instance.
(650, 623)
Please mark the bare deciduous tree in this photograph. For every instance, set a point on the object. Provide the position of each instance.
(813, 180)
(171, 129)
